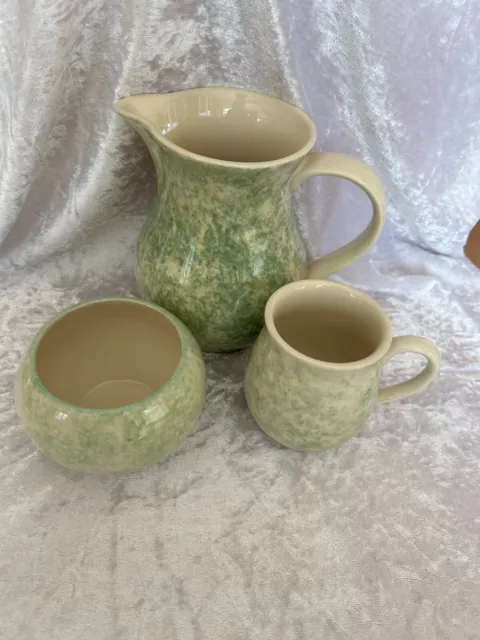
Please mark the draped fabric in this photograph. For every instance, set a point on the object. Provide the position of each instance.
(234, 536)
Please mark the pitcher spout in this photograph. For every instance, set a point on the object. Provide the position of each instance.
(149, 111)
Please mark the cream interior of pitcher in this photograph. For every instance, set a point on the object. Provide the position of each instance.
(224, 124)
(108, 354)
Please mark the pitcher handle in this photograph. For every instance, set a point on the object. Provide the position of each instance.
(411, 344)
(343, 166)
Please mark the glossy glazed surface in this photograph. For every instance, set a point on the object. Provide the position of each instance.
(219, 243)
(303, 409)
(222, 237)
(95, 439)
(309, 403)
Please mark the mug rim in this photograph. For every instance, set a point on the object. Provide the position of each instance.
(288, 289)
(37, 381)
(266, 164)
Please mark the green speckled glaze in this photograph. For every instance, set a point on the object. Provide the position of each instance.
(222, 237)
(312, 405)
(303, 407)
(219, 242)
(113, 440)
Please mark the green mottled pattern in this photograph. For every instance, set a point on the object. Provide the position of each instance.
(302, 406)
(220, 241)
(114, 440)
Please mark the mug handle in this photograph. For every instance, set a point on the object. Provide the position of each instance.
(411, 344)
(343, 166)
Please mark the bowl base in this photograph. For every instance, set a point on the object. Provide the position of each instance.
(111, 394)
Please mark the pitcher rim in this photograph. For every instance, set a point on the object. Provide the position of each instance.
(266, 164)
(372, 358)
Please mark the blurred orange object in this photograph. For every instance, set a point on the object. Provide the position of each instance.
(472, 248)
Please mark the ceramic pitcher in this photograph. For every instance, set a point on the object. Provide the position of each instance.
(222, 236)
(313, 376)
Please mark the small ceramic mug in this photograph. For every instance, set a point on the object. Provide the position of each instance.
(111, 385)
(313, 376)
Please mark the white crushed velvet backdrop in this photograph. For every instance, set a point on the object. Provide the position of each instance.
(235, 537)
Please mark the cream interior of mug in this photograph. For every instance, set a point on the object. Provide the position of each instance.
(329, 324)
(108, 354)
(231, 125)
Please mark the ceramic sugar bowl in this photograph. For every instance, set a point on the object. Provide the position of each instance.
(111, 385)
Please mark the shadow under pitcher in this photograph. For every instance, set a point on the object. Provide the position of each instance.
(222, 237)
